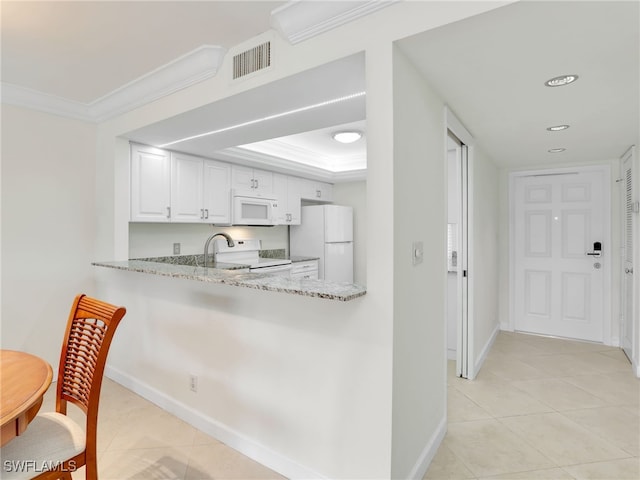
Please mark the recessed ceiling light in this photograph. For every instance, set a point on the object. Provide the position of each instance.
(556, 150)
(561, 80)
(347, 136)
(557, 128)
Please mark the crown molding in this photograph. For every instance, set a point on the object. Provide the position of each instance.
(277, 164)
(184, 71)
(307, 156)
(300, 20)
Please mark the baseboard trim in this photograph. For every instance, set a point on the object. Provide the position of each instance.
(430, 450)
(485, 351)
(218, 430)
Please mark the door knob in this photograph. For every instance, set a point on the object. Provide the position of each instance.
(628, 270)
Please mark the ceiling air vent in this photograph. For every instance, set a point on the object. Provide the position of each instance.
(252, 60)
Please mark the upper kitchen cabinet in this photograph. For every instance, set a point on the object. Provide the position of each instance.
(287, 190)
(200, 190)
(176, 187)
(150, 184)
(251, 179)
(316, 191)
(217, 192)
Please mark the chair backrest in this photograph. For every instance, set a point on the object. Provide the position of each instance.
(86, 343)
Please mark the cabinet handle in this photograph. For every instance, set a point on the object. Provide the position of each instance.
(168, 212)
(257, 184)
(206, 213)
(318, 193)
(202, 214)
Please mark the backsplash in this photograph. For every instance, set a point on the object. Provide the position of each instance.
(157, 239)
(275, 253)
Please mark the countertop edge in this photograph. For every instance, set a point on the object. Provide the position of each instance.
(257, 281)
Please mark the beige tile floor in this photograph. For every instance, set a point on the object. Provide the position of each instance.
(545, 409)
(138, 440)
(540, 408)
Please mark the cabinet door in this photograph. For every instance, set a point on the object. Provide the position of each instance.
(324, 192)
(217, 192)
(186, 188)
(242, 178)
(150, 184)
(294, 200)
(263, 181)
(280, 191)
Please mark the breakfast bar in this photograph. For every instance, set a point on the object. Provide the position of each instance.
(235, 275)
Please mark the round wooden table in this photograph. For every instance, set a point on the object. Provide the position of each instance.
(24, 379)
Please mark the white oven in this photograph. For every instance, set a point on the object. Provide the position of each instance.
(247, 252)
(252, 209)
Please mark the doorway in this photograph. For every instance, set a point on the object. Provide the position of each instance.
(561, 253)
(630, 211)
(458, 315)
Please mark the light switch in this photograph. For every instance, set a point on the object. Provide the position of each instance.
(417, 252)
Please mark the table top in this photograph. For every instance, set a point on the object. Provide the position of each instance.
(24, 380)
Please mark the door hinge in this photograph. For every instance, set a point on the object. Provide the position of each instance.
(464, 273)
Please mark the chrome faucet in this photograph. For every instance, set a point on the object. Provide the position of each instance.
(206, 245)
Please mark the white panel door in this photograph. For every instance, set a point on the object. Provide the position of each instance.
(629, 195)
(559, 287)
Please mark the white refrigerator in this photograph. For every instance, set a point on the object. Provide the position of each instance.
(326, 232)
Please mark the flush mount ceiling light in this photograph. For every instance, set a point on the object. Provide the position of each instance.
(557, 128)
(556, 150)
(561, 80)
(347, 136)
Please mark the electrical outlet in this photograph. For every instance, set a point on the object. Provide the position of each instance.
(176, 249)
(193, 383)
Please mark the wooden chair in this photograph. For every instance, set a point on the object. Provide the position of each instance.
(54, 440)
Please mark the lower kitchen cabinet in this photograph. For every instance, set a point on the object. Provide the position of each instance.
(306, 269)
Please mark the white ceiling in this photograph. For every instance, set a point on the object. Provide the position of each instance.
(490, 70)
(84, 50)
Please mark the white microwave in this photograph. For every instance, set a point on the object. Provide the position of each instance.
(251, 209)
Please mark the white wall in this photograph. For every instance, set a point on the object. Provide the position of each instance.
(483, 270)
(48, 226)
(420, 214)
(354, 194)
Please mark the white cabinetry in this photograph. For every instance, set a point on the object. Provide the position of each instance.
(251, 179)
(150, 184)
(217, 192)
(176, 187)
(186, 188)
(286, 189)
(317, 191)
(307, 269)
(200, 190)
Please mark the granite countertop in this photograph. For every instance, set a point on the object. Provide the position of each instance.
(227, 276)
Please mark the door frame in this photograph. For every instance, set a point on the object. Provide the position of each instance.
(465, 365)
(635, 315)
(607, 239)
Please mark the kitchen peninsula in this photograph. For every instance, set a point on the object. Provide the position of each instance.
(225, 274)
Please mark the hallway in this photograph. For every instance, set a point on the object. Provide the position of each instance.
(543, 408)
